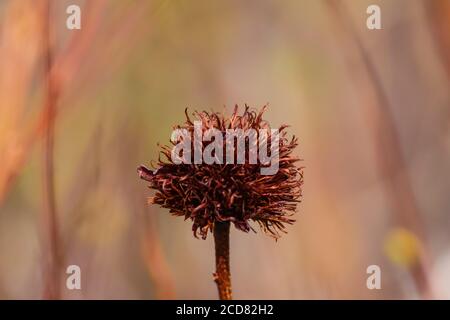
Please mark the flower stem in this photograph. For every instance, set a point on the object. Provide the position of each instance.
(222, 277)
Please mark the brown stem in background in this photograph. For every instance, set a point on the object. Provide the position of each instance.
(152, 250)
(399, 190)
(222, 277)
(67, 65)
(155, 260)
(52, 252)
(438, 14)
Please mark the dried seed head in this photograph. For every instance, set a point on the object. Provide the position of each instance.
(206, 193)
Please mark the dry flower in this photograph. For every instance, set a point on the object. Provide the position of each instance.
(215, 195)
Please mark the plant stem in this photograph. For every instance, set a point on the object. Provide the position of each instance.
(53, 259)
(222, 277)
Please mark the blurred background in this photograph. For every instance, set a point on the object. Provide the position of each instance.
(81, 109)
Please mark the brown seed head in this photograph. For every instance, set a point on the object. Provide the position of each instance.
(206, 193)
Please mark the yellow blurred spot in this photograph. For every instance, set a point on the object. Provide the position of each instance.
(402, 247)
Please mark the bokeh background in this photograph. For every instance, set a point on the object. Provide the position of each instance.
(81, 109)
